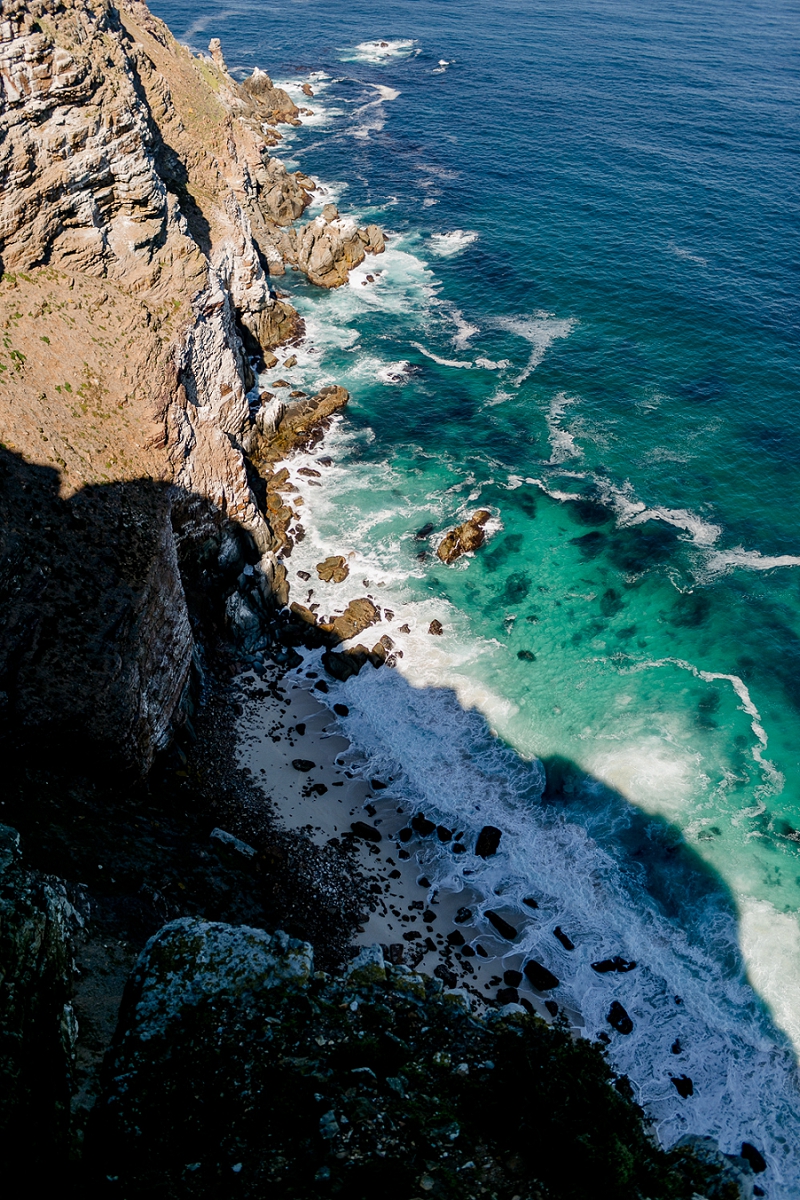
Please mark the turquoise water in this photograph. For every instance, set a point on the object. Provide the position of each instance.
(585, 321)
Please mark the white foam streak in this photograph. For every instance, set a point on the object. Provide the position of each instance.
(562, 442)
(773, 779)
(443, 362)
(722, 562)
(446, 245)
(541, 330)
(381, 50)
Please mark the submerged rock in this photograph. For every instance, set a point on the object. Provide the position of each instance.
(616, 963)
(465, 538)
(566, 941)
(501, 925)
(683, 1086)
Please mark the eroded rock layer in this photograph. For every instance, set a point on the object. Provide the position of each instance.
(141, 215)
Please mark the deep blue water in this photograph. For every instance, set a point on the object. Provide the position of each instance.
(586, 321)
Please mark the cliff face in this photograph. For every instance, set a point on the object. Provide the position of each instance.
(140, 217)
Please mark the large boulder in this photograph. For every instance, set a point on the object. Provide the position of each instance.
(357, 617)
(464, 538)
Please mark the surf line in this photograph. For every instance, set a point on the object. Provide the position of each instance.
(773, 778)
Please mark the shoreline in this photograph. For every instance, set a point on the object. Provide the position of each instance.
(291, 745)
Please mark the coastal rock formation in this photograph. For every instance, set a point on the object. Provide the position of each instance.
(140, 217)
(330, 246)
(464, 538)
(357, 617)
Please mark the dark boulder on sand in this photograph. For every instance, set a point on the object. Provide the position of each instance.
(488, 841)
(539, 976)
(501, 925)
(363, 830)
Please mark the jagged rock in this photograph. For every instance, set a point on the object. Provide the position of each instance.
(357, 617)
(367, 967)
(436, 628)
(333, 569)
(330, 246)
(465, 538)
(488, 841)
(732, 1176)
(232, 844)
(243, 621)
(301, 426)
(305, 614)
(231, 1053)
(100, 661)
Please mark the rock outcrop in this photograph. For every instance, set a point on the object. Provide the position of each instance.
(464, 538)
(330, 246)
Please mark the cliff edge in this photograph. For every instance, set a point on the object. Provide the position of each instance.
(141, 216)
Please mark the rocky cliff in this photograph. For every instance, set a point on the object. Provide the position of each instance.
(141, 216)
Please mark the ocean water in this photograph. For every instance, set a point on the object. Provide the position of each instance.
(586, 321)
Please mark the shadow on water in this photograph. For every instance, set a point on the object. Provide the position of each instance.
(663, 878)
(74, 578)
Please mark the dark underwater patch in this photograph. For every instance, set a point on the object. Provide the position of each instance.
(690, 610)
(641, 547)
(590, 544)
(510, 544)
(706, 390)
(525, 501)
(611, 603)
(588, 512)
(516, 589)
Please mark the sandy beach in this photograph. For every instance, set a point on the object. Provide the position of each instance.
(294, 748)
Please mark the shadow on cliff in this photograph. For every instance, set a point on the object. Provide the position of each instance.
(112, 628)
(86, 587)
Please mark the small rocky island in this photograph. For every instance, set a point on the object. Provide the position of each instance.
(183, 1009)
